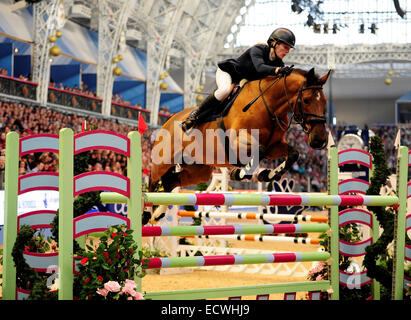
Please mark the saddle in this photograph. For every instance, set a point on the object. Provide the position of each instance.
(222, 110)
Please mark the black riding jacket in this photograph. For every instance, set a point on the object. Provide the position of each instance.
(253, 64)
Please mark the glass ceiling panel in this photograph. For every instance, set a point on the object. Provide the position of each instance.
(346, 15)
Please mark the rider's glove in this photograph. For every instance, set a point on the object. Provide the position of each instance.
(285, 71)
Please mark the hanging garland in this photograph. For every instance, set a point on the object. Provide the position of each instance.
(377, 261)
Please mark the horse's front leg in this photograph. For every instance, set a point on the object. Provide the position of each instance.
(280, 150)
(247, 155)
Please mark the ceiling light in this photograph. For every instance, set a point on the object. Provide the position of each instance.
(361, 28)
(373, 28)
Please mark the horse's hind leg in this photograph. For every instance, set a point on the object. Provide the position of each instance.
(189, 175)
(170, 180)
(195, 174)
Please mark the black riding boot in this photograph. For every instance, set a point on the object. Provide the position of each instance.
(198, 115)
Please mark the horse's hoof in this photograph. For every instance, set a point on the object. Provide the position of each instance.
(239, 174)
(235, 175)
(263, 176)
(145, 218)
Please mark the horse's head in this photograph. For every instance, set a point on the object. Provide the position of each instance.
(309, 105)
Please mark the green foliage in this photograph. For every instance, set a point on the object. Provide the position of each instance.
(25, 276)
(114, 258)
(349, 233)
(378, 262)
(153, 253)
(1, 263)
(40, 291)
(202, 186)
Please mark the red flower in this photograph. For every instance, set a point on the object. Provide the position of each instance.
(118, 256)
(27, 249)
(105, 254)
(89, 297)
(124, 234)
(113, 235)
(84, 261)
(87, 280)
(109, 261)
(395, 206)
(100, 278)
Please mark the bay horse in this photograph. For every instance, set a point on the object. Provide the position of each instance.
(262, 106)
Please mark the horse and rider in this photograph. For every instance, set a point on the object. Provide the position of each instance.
(255, 63)
(272, 97)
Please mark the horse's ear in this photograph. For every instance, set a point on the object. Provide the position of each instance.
(310, 76)
(324, 78)
(311, 73)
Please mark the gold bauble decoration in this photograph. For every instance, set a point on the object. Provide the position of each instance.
(198, 90)
(201, 87)
(162, 77)
(52, 39)
(388, 81)
(165, 74)
(199, 98)
(55, 51)
(59, 34)
(390, 72)
(117, 71)
(163, 86)
(120, 57)
(115, 60)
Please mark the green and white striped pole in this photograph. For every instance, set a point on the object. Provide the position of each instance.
(10, 214)
(66, 172)
(334, 271)
(134, 203)
(399, 225)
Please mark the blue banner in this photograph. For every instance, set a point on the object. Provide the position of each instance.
(6, 57)
(90, 79)
(22, 65)
(132, 90)
(68, 75)
(174, 101)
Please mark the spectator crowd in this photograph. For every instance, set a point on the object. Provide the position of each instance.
(309, 171)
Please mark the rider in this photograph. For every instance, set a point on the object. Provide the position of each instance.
(255, 63)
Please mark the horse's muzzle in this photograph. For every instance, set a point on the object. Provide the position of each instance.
(318, 143)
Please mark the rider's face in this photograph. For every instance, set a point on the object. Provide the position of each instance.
(282, 49)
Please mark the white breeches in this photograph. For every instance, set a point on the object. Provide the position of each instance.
(224, 84)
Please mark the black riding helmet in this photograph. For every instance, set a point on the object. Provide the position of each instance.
(283, 35)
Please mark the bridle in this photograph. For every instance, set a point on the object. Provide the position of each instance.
(297, 111)
(300, 116)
